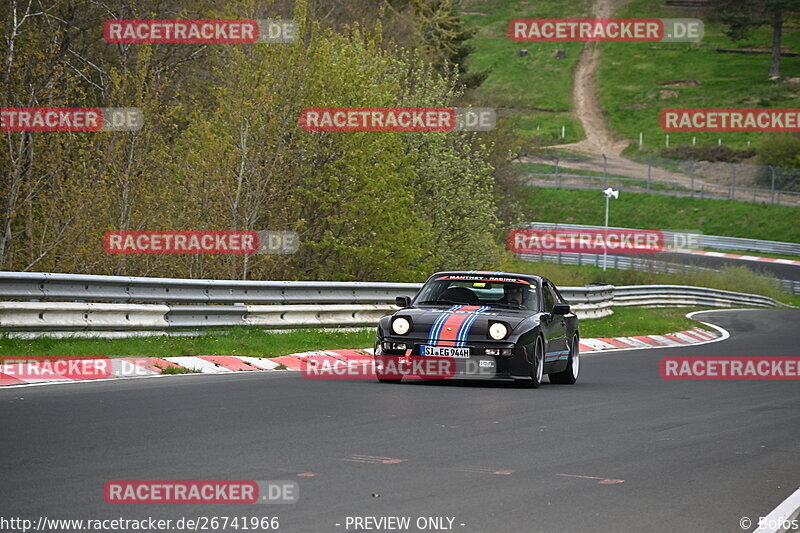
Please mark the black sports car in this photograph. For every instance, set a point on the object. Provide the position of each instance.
(494, 325)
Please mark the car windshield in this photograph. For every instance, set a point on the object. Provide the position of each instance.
(448, 290)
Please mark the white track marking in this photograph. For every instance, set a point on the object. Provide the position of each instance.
(264, 364)
(597, 344)
(664, 341)
(786, 510)
(195, 363)
(682, 335)
(636, 343)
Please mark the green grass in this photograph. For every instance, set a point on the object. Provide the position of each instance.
(646, 211)
(256, 342)
(627, 321)
(178, 370)
(238, 341)
(631, 77)
(534, 91)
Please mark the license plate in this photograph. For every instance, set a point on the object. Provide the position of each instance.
(444, 351)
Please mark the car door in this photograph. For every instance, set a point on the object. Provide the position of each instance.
(554, 326)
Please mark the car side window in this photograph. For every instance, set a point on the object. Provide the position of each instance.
(560, 299)
(549, 298)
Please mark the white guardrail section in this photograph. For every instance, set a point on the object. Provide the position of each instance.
(186, 304)
(718, 242)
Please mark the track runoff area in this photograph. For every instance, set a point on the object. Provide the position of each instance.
(624, 449)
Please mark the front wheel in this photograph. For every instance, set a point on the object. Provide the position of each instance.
(570, 374)
(537, 370)
(377, 351)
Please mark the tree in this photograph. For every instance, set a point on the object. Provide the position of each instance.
(742, 18)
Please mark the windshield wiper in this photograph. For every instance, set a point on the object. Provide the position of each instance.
(510, 306)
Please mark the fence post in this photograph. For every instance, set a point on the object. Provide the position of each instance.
(692, 186)
(649, 174)
(772, 191)
(605, 170)
(733, 181)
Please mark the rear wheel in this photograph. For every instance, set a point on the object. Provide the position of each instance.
(570, 374)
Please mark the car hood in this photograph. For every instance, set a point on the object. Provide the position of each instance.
(477, 319)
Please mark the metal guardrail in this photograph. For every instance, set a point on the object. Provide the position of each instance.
(199, 304)
(635, 263)
(623, 262)
(686, 295)
(44, 286)
(719, 242)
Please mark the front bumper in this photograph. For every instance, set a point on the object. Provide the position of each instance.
(479, 364)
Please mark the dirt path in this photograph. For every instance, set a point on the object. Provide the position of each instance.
(599, 140)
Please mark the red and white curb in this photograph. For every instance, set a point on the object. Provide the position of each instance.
(680, 338)
(11, 375)
(738, 256)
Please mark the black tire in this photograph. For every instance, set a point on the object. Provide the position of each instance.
(377, 351)
(570, 374)
(537, 369)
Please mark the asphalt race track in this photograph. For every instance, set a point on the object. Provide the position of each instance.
(623, 450)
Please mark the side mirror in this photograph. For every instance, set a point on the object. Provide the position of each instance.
(402, 301)
(560, 309)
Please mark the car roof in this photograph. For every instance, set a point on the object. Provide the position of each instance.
(488, 273)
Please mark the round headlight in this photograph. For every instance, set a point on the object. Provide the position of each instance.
(497, 331)
(400, 326)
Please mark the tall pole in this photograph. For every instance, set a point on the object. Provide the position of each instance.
(605, 238)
